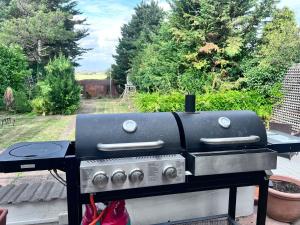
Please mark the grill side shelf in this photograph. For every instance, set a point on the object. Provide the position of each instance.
(210, 163)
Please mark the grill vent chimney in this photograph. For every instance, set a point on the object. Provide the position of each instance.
(190, 103)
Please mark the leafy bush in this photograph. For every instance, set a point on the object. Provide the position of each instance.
(21, 103)
(227, 100)
(40, 104)
(63, 96)
(13, 68)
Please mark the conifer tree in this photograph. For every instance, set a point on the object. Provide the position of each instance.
(143, 25)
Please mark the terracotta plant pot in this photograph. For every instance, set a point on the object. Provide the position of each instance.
(284, 207)
(3, 214)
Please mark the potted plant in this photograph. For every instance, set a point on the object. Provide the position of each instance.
(284, 199)
(3, 214)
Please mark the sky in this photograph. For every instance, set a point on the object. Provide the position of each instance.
(105, 19)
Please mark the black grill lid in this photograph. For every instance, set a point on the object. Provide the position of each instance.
(222, 130)
(123, 135)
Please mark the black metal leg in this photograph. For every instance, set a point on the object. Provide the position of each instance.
(79, 212)
(232, 202)
(262, 202)
(72, 190)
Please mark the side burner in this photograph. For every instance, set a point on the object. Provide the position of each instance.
(30, 156)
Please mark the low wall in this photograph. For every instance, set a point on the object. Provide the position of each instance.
(98, 88)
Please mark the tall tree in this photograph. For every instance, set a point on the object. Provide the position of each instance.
(42, 28)
(211, 38)
(143, 25)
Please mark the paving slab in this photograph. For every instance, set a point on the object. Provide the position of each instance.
(248, 220)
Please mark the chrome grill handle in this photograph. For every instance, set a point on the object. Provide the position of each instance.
(231, 140)
(130, 146)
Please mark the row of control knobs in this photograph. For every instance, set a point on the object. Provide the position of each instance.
(100, 179)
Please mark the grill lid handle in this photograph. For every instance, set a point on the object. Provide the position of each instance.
(130, 146)
(231, 140)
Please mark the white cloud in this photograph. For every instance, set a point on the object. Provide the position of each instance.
(164, 5)
(106, 31)
(290, 3)
(105, 19)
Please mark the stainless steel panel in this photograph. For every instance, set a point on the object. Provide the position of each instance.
(242, 161)
(152, 167)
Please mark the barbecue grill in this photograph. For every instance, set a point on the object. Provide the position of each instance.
(122, 156)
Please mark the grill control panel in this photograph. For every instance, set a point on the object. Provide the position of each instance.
(133, 172)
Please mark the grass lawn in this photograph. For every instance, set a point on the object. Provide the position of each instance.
(34, 128)
(90, 75)
(46, 128)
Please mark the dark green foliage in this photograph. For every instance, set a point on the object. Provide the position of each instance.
(201, 45)
(13, 69)
(2, 105)
(63, 94)
(42, 28)
(228, 100)
(135, 35)
(21, 103)
(156, 67)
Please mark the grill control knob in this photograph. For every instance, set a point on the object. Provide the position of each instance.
(100, 179)
(119, 177)
(136, 176)
(170, 172)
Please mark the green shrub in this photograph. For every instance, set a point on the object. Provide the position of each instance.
(21, 103)
(13, 69)
(227, 100)
(63, 95)
(40, 104)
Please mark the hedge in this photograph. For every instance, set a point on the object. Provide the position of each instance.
(227, 100)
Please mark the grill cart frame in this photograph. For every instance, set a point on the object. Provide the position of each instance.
(63, 158)
(201, 183)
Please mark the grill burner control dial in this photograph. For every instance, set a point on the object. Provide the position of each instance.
(119, 177)
(100, 179)
(170, 172)
(136, 176)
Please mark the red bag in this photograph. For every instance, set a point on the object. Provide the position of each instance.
(88, 215)
(116, 214)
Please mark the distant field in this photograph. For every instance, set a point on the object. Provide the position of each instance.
(90, 75)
